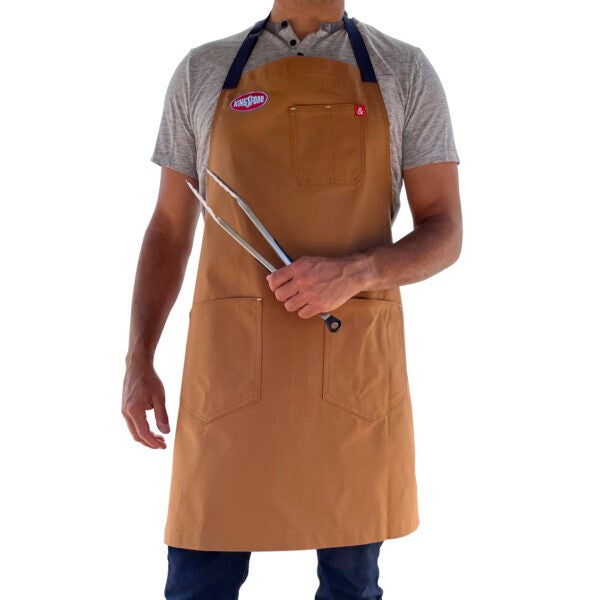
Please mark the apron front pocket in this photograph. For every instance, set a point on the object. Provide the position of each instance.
(327, 143)
(222, 367)
(364, 363)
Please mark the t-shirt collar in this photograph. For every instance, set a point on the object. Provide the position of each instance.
(324, 27)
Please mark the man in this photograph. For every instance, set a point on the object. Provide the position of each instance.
(290, 435)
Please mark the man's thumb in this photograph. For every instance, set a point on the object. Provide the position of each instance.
(162, 419)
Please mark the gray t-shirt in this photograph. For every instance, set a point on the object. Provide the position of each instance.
(420, 125)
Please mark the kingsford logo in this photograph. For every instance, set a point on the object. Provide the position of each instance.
(249, 101)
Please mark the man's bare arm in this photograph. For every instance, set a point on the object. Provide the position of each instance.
(436, 240)
(160, 271)
(313, 284)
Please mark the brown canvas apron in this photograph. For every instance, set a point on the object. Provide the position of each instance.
(290, 436)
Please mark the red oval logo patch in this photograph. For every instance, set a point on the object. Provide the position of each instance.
(249, 101)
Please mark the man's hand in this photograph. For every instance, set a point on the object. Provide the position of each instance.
(314, 284)
(142, 391)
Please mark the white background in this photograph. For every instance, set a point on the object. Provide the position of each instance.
(502, 346)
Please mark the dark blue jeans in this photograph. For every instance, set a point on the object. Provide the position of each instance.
(344, 572)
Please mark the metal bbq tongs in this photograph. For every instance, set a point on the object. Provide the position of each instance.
(333, 323)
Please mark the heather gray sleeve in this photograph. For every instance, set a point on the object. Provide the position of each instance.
(175, 143)
(427, 136)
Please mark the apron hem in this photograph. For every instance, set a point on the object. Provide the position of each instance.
(277, 541)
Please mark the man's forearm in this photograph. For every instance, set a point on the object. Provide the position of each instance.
(159, 275)
(431, 247)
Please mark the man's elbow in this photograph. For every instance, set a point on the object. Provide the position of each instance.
(454, 246)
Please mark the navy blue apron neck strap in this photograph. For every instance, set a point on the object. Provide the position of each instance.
(361, 54)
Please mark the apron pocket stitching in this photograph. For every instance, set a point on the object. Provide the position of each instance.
(377, 381)
(313, 161)
(223, 358)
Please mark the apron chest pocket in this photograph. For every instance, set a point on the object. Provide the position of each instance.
(222, 366)
(364, 364)
(327, 143)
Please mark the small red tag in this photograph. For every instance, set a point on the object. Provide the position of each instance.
(360, 110)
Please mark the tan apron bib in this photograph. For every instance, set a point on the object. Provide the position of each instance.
(290, 436)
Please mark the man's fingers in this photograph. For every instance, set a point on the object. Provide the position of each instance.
(307, 311)
(160, 414)
(143, 430)
(294, 303)
(286, 291)
(281, 275)
(133, 430)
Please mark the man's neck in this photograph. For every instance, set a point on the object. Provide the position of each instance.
(305, 16)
